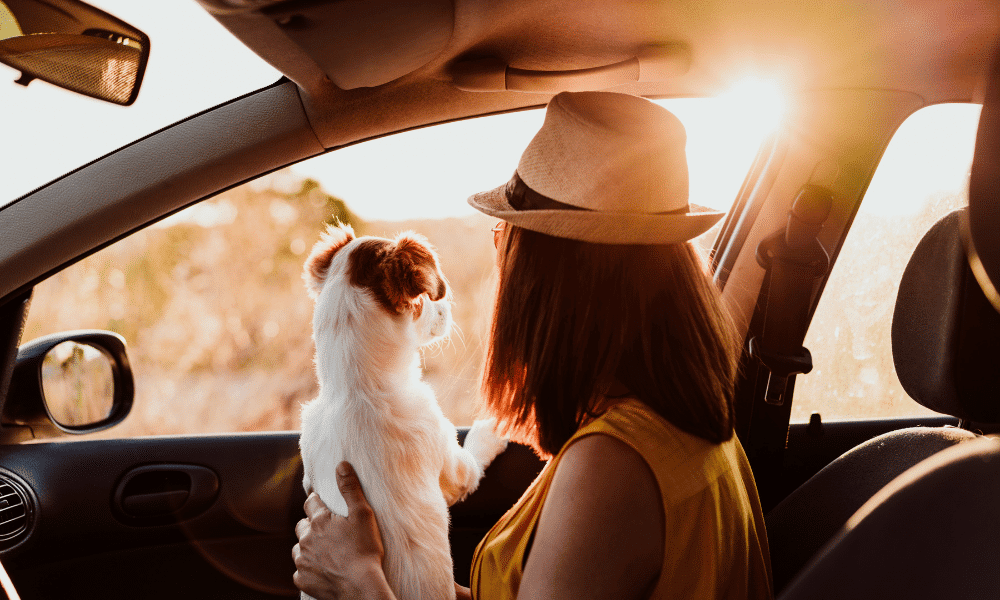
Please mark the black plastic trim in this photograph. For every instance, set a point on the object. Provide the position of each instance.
(26, 404)
(161, 494)
(10, 540)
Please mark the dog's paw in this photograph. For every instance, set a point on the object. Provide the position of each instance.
(483, 443)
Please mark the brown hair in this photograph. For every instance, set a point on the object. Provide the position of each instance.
(572, 317)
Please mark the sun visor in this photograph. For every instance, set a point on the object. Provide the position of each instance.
(355, 43)
(366, 43)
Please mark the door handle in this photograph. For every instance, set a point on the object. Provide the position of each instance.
(155, 503)
(158, 494)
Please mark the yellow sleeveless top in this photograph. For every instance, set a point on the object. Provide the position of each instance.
(716, 545)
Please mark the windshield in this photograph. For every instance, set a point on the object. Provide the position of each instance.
(194, 64)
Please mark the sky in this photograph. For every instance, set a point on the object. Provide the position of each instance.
(194, 64)
(930, 153)
(428, 173)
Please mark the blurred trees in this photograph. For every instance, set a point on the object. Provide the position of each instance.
(219, 325)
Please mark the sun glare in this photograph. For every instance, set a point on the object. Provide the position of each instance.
(760, 101)
(723, 136)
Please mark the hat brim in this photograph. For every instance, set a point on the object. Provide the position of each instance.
(600, 227)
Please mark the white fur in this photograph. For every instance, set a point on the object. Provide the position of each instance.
(374, 411)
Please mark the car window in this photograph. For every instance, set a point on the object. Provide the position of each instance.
(922, 176)
(194, 64)
(211, 300)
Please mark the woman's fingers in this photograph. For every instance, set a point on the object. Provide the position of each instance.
(301, 528)
(338, 556)
(364, 526)
(350, 488)
(315, 508)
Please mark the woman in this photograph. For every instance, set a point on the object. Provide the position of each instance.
(611, 354)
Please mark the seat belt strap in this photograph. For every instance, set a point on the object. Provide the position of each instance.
(794, 260)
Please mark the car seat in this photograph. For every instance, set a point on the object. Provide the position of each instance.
(944, 343)
(933, 532)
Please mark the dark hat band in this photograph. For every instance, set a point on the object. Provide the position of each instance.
(521, 197)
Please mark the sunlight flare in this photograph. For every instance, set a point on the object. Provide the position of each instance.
(759, 101)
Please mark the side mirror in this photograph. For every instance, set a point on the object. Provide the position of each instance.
(70, 383)
(74, 46)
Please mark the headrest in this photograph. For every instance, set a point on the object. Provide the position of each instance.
(945, 333)
(983, 244)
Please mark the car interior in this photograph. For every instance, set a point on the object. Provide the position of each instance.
(901, 506)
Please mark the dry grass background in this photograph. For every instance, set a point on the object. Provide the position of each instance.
(218, 321)
(850, 334)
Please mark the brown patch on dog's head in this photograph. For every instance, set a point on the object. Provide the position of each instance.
(317, 265)
(397, 271)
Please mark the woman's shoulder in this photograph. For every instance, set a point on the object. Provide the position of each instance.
(635, 423)
(606, 458)
(682, 463)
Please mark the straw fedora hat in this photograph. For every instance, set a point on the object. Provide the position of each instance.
(605, 168)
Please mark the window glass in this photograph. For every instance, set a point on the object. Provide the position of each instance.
(922, 176)
(195, 63)
(212, 303)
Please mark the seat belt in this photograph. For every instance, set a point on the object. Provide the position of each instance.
(7, 585)
(794, 260)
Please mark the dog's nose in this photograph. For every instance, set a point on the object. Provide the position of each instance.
(441, 321)
(442, 289)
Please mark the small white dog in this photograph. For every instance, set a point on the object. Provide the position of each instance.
(377, 302)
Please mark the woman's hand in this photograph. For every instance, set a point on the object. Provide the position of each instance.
(340, 557)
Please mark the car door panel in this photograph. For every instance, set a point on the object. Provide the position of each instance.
(81, 544)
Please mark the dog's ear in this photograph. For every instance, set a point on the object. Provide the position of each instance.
(412, 269)
(317, 266)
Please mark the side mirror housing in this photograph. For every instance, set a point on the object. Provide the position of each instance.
(69, 383)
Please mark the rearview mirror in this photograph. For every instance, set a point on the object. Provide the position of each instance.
(74, 46)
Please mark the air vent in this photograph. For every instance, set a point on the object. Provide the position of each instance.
(15, 511)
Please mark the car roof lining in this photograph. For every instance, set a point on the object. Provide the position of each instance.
(808, 46)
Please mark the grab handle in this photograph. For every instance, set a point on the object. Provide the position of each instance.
(495, 75)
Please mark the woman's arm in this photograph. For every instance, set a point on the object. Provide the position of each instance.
(600, 534)
(601, 531)
(462, 593)
(340, 557)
